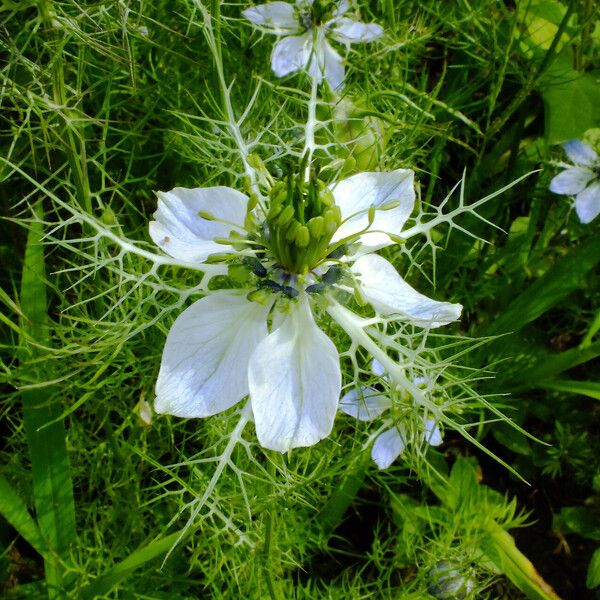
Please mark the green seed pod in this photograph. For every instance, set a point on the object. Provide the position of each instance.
(325, 195)
(302, 236)
(238, 273)
(316, 226)
(262, 296)
(331, 223)
(108, 216)
(290, 234)
(362, 136)
(207, 216)
(286, 215)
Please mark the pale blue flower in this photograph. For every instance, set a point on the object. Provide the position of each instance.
(581, 180)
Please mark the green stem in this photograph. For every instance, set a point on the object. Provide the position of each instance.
(74, 145)
(266, 556)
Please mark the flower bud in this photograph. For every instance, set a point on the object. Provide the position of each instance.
(361, 135)
(316, 226)
(286, 215)
(302, 236)
(448, 581)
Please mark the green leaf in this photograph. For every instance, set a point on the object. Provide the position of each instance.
(571, 100)
(342, 496)
(544, 366)
(559, 281)
(579, 520)
(108, 580)
(500, 549)
(14, 510)
(593, 573)
(511, 438)
(584, 388)
(52, 485)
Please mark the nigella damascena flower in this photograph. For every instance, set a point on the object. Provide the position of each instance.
(306, 25)
(287, 255)
(581, 180)
(366, 404)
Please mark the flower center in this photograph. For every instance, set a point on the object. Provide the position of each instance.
(315, 14)
(301, 221)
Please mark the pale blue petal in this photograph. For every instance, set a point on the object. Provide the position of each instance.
(580, 153)
(364, 403)
(273, 17)
(388, 447)
(204, 366)
(389, 294)
(291, 54)
(295, 382)
(571, 181)
(587, 203)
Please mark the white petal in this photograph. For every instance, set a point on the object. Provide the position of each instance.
(356, 194)
(587, 203)
(295, 383)
(204, 368)
(291, 54)
(364, 403)
(580, 153)
(388, 447)
(180, 231)
(388, 293)
(432, 433)
(274, 17)
(571, 181)
(377, 368)
(327, 63)
(348, 31)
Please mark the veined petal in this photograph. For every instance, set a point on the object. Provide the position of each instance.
(326, 62)
(273, 17)
(348, 31)
(364, 403)
(580, 153)
(204, 367)
(181, 232)
(356, 194)
(291, 54)
(571, 181)
(587, 203)
(388, 293)
(388, 447)
(295, 383)
(432, 433)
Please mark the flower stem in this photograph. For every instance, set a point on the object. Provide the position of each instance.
(269, 526)
(355, 326)
(232, 123)
(311, 124)
(224, 460)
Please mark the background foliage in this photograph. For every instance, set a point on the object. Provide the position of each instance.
(103, 103)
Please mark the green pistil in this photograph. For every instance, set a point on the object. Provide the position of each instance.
(302, 219)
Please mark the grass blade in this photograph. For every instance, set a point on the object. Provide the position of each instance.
(563, 278)
(52, 485)
(584, 388)
(14, 510)
(108, 580)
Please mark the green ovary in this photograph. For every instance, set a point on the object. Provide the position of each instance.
(302, 219)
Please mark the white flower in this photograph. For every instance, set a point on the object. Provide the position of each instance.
(221, 348)
(366, 403)
(306, 27)
(581, 180)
